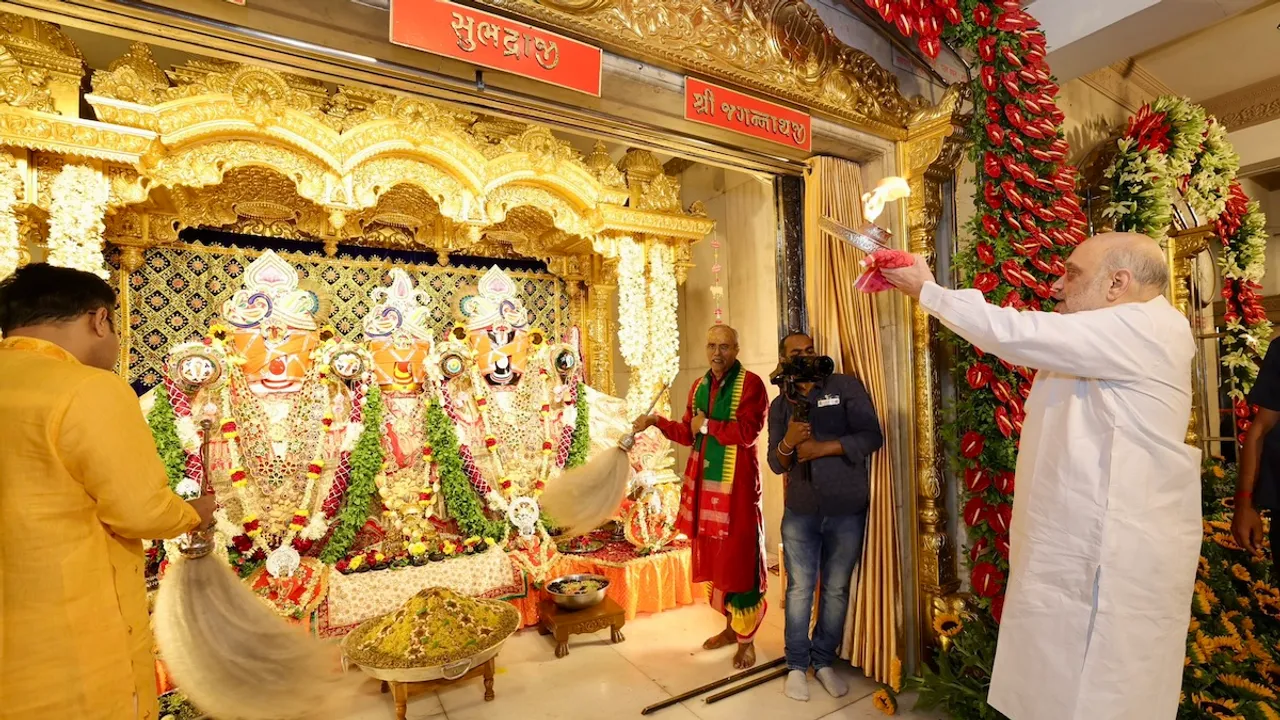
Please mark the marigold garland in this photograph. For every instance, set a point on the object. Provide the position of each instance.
(366, 462)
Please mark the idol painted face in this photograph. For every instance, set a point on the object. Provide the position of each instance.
(398, 329)
(276, 363)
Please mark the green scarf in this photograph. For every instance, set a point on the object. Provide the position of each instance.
(719, 462)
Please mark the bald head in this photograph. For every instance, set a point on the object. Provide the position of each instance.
(722, 348)
(1111, 269)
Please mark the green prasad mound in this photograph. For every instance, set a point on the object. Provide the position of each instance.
(436, 627)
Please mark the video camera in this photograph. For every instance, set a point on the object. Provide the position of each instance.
(795, 371)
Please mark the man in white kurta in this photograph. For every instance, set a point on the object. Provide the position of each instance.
(1106, 517)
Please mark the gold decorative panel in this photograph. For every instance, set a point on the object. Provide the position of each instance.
(179, 290)
(779, 47)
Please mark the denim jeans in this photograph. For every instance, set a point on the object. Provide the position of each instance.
(816, 547)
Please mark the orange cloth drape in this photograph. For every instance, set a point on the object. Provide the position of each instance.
(650, 584)
(845, 325)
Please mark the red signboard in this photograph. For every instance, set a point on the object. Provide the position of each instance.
(487, 40)
(723, 108)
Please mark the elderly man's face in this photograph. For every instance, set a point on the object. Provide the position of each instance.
(1086, 284)
(722, 349)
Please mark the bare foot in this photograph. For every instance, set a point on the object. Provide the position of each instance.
(724, 639)
(746, 656)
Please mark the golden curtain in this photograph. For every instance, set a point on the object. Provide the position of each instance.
(844, 325)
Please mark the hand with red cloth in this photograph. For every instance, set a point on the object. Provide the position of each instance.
(873, 279)
(909, 275)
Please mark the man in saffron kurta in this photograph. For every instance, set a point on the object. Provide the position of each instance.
(80, 484)
(720, 507)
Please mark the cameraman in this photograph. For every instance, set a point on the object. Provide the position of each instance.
(822, 432)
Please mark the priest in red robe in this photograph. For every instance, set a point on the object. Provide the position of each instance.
(720, 508)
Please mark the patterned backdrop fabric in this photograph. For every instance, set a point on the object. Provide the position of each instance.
(180, 289)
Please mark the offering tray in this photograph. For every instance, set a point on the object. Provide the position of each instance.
(580, 546)
(437, 638)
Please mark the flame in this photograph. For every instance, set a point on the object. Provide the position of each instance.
(887, 190)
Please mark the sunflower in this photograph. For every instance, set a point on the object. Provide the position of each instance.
(1248, 687)
(884, 701)
(1267, 711)
(1240, 572)
(947, 625)
(1215, 707)
(895, 675)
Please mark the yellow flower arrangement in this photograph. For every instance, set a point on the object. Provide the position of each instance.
(418, 549)
(1254, 690)
(1217, 707)
(884, 701)
(355, 562)
(1240, 572)
(1268, 711)
(947, 625)
(895, 674)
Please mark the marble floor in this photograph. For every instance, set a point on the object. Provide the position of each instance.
(660, 658)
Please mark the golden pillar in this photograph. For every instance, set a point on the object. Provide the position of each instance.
(600, 327)
(928, 159)
(130, 262)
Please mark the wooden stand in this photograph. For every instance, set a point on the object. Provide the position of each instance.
(400, 691)
(563, 623)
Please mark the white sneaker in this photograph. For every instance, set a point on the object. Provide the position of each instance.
(798, 686)
(835, 685)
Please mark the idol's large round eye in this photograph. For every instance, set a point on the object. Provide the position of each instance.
(451, 365)
(566, 361)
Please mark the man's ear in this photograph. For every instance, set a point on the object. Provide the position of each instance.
(100, 322)
(1120, 283)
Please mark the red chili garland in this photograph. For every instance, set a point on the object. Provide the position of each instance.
(1028, 218)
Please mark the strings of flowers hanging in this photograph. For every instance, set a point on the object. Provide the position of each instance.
(663, 361)
(1173, 148)
(10, 239)
(1027, 219)
(78, 206)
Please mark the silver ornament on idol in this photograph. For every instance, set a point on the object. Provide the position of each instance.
(283, 562)
(523, 514)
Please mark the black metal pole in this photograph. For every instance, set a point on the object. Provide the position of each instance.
(754, 682)
(711, 686)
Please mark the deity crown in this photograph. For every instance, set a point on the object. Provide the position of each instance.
(399, 308)
(271, 294)
(496, 302)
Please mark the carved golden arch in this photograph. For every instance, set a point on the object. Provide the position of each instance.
(242, 148)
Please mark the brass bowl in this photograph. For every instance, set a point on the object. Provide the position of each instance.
(580, 601)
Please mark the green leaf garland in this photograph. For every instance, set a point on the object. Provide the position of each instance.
(461, 500)
(366, 462)
(580, 447)
(164, 429)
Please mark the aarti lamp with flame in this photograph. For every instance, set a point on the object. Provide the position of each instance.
(870, 237)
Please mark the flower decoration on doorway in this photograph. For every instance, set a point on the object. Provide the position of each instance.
(1172, 148)
(1027, 219)
(79, 204)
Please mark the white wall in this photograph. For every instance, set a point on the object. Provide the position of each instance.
(746, 225)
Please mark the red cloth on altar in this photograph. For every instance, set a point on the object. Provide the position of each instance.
(735, 563)
(871, 281)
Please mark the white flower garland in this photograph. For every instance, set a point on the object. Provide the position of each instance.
(663, 361)
(633, 330)
(79, 204)
(1211, 177)
(10, 240)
